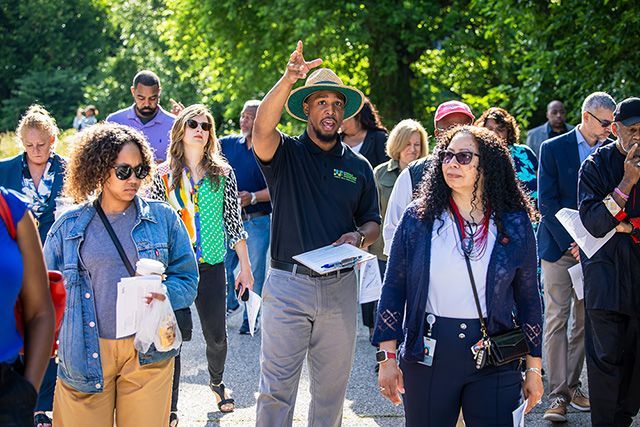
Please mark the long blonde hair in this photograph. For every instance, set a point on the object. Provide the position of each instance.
(212, 161)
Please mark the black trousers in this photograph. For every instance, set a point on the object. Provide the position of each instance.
(17, 398)
(612, 346)
(211, 305)
(435, 394)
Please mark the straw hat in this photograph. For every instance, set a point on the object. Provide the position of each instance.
(324, 79)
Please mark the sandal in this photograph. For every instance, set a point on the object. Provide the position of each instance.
(41, 419)
(173, 419)
(220, 393)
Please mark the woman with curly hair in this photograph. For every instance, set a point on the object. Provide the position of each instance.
(504, 125)
(101, 375)
(201, 186)
(472, 224)
(38, 174)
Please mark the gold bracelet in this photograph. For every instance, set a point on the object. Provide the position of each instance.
(536, 370)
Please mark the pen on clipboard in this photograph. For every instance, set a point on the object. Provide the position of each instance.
(343, 262)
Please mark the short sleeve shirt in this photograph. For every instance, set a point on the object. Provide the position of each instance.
(317, 195)
(245, 166)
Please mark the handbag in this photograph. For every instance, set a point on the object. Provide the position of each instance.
(183, 315)
(56, 283)
(499, 349)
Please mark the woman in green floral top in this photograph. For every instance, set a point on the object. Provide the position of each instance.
(198, 182)
(525, 162)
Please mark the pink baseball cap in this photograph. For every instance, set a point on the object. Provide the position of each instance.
(451, 107)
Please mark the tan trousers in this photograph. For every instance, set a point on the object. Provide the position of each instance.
(563, 351)
(140, 396)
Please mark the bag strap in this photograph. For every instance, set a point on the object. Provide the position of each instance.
(114, 238)
(5, 213)
(483, 326)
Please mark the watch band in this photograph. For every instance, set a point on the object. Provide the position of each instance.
(254, 198)
(362, 237)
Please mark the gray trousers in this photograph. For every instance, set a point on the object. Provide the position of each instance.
(312, 317)
(563, 351)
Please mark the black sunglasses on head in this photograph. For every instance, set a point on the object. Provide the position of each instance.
(206, 126)
(463, 157)
(124, 171)
(603, 123)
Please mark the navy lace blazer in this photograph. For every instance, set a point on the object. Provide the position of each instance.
(512, 292)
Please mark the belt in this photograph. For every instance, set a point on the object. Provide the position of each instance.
(299, 268)
(252, 215)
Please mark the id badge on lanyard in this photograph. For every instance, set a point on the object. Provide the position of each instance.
(429, 344)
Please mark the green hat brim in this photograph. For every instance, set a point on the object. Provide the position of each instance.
(354, 99)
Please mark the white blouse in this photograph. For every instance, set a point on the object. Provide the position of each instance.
(450, 292)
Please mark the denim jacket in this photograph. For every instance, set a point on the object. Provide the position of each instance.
(158, 234)
(511, 284)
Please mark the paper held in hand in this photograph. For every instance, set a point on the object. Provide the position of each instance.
(130, 304)
(331, 258)
(570, 220)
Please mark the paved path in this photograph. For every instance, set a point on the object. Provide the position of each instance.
(363, 406)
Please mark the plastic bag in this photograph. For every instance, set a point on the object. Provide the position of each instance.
(159, 327)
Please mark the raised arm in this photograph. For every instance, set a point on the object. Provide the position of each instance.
(265, 136)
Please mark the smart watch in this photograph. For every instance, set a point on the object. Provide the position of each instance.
(254, 198)
(383, 356)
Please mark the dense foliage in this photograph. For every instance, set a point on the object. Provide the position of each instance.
(406, 55)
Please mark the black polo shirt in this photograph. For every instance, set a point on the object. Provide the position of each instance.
(317, 196)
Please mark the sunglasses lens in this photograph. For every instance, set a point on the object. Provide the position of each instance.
(605, 123)
(464, 158)
(192, 123)
(205, 126)
(123, 172)
(142, 171)
(446, 157)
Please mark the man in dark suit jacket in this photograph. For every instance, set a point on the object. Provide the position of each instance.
(556, 125)
(560, 160)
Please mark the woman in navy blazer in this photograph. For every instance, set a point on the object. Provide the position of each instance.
(469, 202)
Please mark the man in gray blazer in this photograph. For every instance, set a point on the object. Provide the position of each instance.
(556, 125)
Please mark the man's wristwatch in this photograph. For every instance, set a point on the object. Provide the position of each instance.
(614, 209)
(362, 238)
(254, 198)
(383, 356)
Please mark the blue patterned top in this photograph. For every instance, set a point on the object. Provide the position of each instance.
(526, 166)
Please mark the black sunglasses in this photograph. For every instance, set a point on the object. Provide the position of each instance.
(124, 171)
(603, 123)
(206, 126)
(463, 157)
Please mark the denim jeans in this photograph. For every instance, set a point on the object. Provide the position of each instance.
(259, 230)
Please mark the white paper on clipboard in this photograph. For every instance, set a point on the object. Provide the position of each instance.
(327, 259)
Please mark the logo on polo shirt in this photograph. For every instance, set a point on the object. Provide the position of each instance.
(337, 173)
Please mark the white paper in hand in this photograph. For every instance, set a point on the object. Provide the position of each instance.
(577, 278)
(253, 307)
(130, 304)
(570, 220)
(370, 281)
(518, 414)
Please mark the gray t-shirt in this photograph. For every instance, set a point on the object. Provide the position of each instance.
(100, 256)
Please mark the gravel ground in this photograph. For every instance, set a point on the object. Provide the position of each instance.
(363, 405)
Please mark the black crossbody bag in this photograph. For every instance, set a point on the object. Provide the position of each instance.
(183, 315)
(499, 349)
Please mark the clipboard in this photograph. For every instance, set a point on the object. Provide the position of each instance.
(332, 258)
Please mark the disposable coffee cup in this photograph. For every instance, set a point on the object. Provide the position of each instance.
(147, 267)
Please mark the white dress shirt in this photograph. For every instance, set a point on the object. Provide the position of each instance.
(450, 292)
(399, 199)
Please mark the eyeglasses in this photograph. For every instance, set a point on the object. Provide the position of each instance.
(463, 157)
(206, 126)
(124, 171)
(603, 123)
